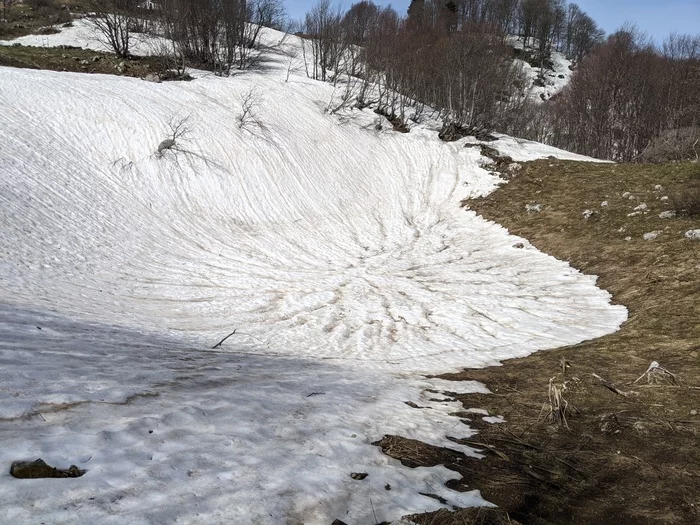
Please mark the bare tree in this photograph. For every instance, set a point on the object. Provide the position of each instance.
(323, 28)
(266, 13)
(113, 20)
(291, 53)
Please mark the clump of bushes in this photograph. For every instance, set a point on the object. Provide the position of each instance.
(673, 145)
(687, 200)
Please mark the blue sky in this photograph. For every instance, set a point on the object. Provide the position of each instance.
(656, 18)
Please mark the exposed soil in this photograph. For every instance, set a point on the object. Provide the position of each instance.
(78, 60)
(23, 19)
(626, 458)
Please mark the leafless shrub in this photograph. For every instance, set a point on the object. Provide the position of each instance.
(179, 130)
(219, 35)
(172, 60)
(178, 146)
(346, 98)
(248, 118)
(673, 145)
(687, 200)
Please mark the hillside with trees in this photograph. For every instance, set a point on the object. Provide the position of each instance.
(473, 64)
(628, 99)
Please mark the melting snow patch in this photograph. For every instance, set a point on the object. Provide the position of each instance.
(494, 419)
(457, 387)
(693, 235)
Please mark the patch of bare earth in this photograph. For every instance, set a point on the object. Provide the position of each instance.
(577, 448)
(78, 61)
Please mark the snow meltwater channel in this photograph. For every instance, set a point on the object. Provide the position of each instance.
(339, 254)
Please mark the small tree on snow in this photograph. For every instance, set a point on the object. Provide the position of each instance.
(179, 130)
(248, 118)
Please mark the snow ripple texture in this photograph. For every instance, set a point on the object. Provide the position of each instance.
(338, 252)
(311, 238)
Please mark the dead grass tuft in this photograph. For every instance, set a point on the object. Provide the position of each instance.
(557, 405)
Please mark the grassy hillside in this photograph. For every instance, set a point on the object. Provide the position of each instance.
(629, 456)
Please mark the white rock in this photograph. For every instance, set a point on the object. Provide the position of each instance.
(693, 235)
(587, 214)
(628, 238)
(667, 214)
(651, 235)
(658, 187)
(604, 204)
(664, 198)
(641, 207)
(533, 208)
(626, 195)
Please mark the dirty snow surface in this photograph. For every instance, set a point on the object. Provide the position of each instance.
(338, 253)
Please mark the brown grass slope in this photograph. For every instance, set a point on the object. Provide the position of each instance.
(628, 457)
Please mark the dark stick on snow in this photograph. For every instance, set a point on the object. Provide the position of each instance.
(217, 345)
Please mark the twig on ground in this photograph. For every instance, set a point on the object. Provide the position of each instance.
(607, 384)
(373, 513)
(217, 345)
(564, 364)
(491, 448)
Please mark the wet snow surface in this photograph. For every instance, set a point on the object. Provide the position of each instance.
(338, 253)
